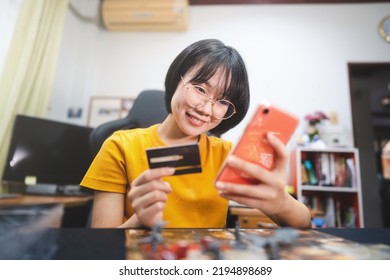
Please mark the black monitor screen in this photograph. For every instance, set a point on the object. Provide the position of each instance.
(51, 152)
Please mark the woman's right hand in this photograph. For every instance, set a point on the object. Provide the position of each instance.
(148, 195)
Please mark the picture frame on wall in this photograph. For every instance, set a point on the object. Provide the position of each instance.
(104, 109)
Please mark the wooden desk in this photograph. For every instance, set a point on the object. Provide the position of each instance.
(76, 208)
(251, 218)
(67, 201)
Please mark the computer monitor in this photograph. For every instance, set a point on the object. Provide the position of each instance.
(47, 152)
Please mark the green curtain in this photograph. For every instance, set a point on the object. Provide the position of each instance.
(26, 82)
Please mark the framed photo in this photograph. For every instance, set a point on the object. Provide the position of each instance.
(103, 109)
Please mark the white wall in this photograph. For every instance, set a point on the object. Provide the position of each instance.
(9, 10)
(296, 55)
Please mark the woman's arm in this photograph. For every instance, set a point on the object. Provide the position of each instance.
(147, 195)
(107, 210)
(294, 214)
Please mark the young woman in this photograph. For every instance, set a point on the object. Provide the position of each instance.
(207, 91)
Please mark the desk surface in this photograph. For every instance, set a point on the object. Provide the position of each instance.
(112, 244)
(67, 201)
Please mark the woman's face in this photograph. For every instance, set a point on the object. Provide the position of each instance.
(195, 121)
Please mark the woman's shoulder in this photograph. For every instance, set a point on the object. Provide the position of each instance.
(214, 141)
(134, 132)
(132, 136)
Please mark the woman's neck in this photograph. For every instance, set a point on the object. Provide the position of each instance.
(171, 134)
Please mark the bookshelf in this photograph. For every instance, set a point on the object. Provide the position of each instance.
(328, 182)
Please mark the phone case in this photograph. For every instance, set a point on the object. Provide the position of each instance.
(253, 145)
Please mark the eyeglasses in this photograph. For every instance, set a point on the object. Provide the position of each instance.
(198, 97)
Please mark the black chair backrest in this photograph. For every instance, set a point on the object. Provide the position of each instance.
(148, 109)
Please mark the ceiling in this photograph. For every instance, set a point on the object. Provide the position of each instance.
(225, 2)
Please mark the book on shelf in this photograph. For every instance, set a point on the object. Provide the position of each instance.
(311, 175)
(315, 202)
(340, 171)
(350, 218)
(304, 178)
(318, 169)
(330, 212)
(338, 214)
(332, 169)
(325, 171)
(328, 169)
(328, 177)
(351, 174)
(334, 212)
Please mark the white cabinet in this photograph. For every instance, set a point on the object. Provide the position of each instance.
(328, 182)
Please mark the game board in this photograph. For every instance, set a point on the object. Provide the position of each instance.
(241, 244)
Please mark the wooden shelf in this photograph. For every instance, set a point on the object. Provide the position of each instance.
(337, 194)
(328, 189)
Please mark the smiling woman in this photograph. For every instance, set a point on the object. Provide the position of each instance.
(129, 192)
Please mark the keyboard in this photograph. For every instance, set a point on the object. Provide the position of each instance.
(57, 190)
(9, 195)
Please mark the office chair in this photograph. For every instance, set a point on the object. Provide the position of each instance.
(148, 109)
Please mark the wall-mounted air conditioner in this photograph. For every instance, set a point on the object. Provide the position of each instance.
(145, 15)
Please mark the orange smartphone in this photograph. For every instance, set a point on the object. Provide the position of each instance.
(253, 145)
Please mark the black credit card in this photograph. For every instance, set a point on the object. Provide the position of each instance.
(184, 158)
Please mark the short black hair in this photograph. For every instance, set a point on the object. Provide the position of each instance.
(209, 56)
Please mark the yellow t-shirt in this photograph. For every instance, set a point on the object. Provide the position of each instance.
(193, 202)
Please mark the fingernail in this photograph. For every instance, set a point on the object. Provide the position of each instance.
(220, 185)
(231, 158)
(272, 135)
(170, 169)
